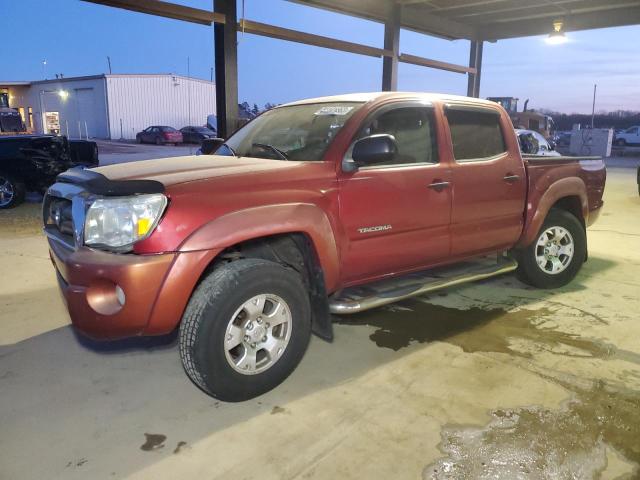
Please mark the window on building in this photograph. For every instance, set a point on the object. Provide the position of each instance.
(475, 134)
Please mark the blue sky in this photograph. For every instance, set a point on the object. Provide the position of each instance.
(76, 37)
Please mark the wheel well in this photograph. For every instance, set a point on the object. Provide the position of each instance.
(296, 251)
(573, 205)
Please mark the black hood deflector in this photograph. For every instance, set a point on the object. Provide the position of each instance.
(98, 184)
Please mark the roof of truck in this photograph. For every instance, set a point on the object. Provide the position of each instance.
(373, 96)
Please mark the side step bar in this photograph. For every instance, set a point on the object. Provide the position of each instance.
(366, 297)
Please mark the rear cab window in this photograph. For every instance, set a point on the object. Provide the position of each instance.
(476, 133)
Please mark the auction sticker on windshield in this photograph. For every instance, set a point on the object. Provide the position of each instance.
(334, 110)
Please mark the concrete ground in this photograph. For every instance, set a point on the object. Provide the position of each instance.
(491, 380)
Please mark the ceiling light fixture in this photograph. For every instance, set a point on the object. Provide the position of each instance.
(557, 36)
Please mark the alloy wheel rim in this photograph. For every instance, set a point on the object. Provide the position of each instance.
(554, 250)
(258, 334)
(6, 192)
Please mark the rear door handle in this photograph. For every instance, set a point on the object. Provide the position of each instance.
(438, 185)
(509, 178)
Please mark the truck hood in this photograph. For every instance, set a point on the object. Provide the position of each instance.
(175, 170)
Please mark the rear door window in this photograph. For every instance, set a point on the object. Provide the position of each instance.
(475, 134)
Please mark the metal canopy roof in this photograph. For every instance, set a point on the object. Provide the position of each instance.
(491, 19)
(474, 20)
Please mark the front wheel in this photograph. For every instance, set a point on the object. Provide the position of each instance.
(245, 329)
(621, 142)
(557, 254)
(12, 191)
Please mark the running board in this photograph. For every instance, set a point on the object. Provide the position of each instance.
(373, 295)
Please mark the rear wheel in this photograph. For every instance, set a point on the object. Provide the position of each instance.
(557, 254)
(12, 191)
(245, 329)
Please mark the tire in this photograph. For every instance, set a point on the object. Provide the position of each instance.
(218, 300)
(531, 272)
(621, 142)
(12, 191)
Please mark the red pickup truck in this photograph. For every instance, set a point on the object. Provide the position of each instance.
(325, 206)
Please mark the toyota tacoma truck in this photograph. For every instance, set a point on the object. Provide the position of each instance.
(321, 207)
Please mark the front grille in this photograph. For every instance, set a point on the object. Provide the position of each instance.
(58, 217)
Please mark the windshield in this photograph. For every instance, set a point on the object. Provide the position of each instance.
(297, 132)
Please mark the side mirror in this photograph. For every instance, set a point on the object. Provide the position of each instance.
(374, 149)
(210, 145)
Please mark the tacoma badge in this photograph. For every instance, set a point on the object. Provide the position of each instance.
(378, 228)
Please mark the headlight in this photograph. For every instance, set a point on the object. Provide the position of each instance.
(119, 222)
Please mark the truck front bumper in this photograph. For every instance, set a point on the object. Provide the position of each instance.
(111, 296)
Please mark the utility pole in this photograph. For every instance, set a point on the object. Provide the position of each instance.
(593, 109)
(109, 63)
(189, 87)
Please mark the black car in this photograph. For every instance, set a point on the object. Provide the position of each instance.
(32, 162)
(196, 134)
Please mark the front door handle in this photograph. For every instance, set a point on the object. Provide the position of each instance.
(510, 178)
(438, 185)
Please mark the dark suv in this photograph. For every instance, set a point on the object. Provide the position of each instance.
(31, 163)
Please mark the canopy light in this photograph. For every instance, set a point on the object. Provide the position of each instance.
(63, 94)
(557, 37)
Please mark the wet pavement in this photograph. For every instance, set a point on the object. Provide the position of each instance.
(529, 442)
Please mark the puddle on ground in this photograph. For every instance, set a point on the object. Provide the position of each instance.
(479, 330)
(180, 445)
(537, 443)
(528, 442)
(153, 441)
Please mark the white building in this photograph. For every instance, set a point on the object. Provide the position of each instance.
(111, 106)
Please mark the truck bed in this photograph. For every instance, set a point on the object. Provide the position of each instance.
(543, 171)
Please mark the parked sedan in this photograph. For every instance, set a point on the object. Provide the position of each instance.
(196, 134)
(159, 135)
(533, 143)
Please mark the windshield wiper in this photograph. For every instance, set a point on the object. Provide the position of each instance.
(276, 150)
